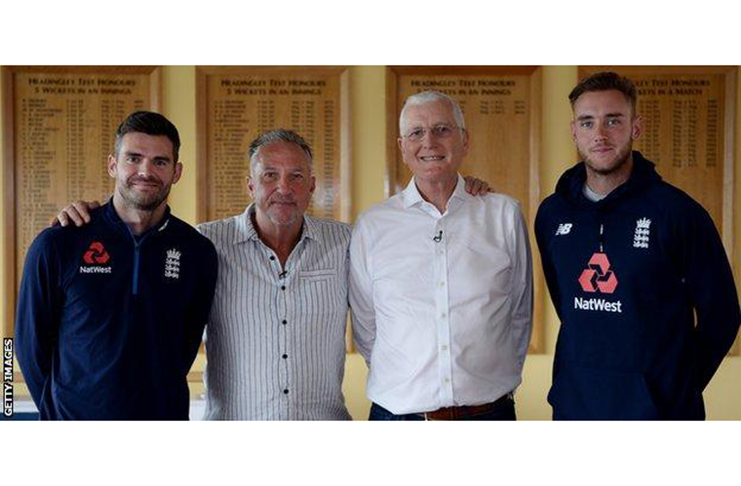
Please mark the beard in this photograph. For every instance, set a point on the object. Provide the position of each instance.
(147, 201)
(621, 158)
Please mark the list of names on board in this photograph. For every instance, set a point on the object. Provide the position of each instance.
(64, 127)
(496, 109)
(683, 133)
(242, 106)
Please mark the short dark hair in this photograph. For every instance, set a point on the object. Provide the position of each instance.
(278, 135)
(605, 81)
(149, 123)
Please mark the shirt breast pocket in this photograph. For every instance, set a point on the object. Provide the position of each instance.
(326, 288)
(317, 275)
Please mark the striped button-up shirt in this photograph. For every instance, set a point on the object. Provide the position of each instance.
(275, 341)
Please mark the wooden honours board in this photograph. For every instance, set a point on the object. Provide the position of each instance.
(501, 106)
(236, 104)
(60, 124)
(688, 116)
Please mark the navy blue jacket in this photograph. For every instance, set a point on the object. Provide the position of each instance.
(107, 324)
(645, 294)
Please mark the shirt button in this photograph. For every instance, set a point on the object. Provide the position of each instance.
(285, 391)
(285, 321)
(285, 356)
(442, 284)
(447, 380)
(443, 315)
(272, 258)
(283, 287)
(444, 347)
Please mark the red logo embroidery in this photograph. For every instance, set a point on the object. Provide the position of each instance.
(96, 255)
(598, 275)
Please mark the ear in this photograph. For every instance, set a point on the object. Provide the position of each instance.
(466, 141)
(178, 172)
(312, 185)
(112, 166)
(250, 187)
(573, 130)
(400, 143)
(637, 128)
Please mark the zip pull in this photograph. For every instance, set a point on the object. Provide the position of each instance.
(601, 237)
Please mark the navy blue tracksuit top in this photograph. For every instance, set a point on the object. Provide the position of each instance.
(109, 324)
(645, 294)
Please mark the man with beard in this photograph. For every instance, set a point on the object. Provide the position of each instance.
(110, 315)
(636, 271)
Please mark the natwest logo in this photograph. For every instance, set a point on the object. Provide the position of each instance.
(598, 275)
(96, 255)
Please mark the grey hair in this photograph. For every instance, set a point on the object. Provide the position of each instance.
(430, 97)
(274, 136)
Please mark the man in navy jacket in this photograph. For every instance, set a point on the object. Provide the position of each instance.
(636, 271)
(110, 315)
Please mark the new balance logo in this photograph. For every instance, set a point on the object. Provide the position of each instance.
(563, 229)
(172, 264)
(643, 230)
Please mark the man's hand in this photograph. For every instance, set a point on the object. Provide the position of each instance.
(78, 213)
(476, 187)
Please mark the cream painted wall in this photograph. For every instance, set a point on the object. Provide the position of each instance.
(368, 94)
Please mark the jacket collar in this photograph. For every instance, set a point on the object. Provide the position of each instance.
(108, 210)
(570, 185)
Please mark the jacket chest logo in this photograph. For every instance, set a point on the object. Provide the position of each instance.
(95, 258)
(642, 233)
(172, 264)
(564, 229)
(598, 276)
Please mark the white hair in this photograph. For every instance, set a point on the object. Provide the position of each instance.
(430, 97)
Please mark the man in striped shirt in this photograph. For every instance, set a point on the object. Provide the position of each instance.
(276, 337)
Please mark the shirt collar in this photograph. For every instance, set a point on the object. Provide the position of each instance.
(246, 230)
(411, 196)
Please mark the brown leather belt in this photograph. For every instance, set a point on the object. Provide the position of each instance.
(463, 412)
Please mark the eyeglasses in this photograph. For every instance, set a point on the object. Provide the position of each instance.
(438, 131)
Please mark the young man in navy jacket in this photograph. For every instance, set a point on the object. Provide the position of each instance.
(636, 271)
(110, 315)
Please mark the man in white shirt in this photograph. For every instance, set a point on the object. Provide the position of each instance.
(441, 283)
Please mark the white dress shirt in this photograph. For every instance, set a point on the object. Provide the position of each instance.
(275, 341)
(441, 303)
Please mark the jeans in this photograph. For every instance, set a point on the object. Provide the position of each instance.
(502, 411)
